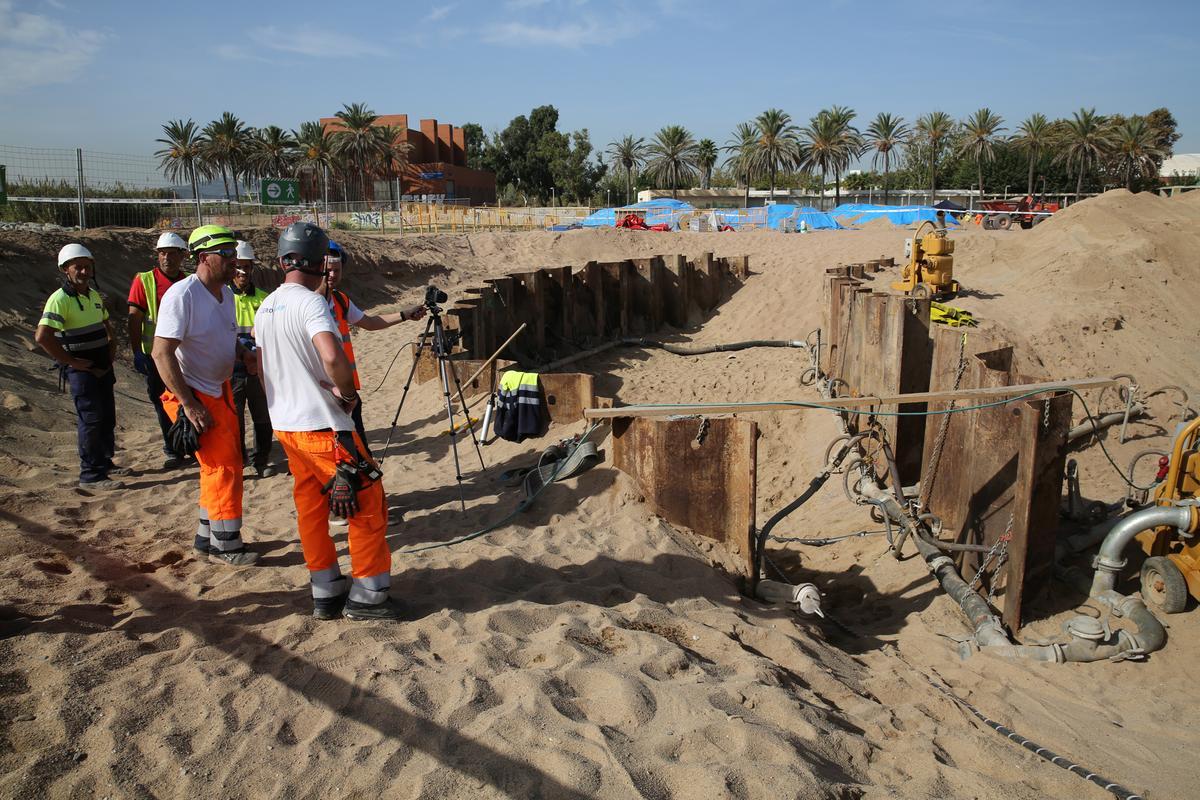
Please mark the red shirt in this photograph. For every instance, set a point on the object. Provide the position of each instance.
(137, 292)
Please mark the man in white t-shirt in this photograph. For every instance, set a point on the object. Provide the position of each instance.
(310, 390)
(195, 344)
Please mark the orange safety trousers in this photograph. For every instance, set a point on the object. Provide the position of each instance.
(313, 457)
(220, 457)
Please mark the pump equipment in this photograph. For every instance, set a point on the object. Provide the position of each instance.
(930, 269)
(1172, 571)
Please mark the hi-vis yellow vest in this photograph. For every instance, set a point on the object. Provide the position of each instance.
(151, 289)
(245, 306)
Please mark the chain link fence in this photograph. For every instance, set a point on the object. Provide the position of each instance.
(89, 189)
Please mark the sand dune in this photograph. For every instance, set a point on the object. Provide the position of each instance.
(587, 649)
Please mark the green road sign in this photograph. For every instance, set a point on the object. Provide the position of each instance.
(3, 186)
(280, 191)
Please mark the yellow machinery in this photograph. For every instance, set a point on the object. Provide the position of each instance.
(930, 269)
(1172, 571)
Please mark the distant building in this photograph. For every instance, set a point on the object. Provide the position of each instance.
(437, 163)
(1184, 165)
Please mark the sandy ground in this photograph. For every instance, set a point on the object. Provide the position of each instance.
(587, 649)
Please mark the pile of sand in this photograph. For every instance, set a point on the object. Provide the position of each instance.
(587, 650)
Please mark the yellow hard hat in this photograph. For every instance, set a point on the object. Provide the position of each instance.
(207, 237)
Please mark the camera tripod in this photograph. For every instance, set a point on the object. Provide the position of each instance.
(440, 344)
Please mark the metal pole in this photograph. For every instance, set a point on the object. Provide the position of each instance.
(79, 187)
(325, 167)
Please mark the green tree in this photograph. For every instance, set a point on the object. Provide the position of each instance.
(1035, 136)
(934, 129)
(272, 152)
(315, 151)
(820, 147)
(358, 144)
(476, 143)
(740, 147)
(672, 157)
(394, 150)
(980, 132)
(226, 141)
(848, 145)
(630, 154)
(884, 135)
(183, 157)
(1086, 141)
(777, 144)
(1135, 145)
(706, 159)
(573, 169)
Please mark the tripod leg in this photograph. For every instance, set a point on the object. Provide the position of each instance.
(453, 434)
(466, 413)
(421, 345)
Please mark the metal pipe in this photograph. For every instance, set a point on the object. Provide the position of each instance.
(1097, 424)
(697, 350)
(1111, 560)
(79, 188)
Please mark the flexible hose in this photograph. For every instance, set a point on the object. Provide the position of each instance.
(699, 350)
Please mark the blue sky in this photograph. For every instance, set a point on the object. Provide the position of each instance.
(103, 75)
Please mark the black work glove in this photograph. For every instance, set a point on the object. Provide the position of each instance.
(182, 436)
(342, 489)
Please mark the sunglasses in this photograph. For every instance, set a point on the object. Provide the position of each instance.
(224, 252)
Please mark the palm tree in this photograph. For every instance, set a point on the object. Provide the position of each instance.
(777, 144)
(1034, 135)
(933, 129)
(672, 157)
(1085, 141)
(315, 151)
(393, 156)
(630, 153)
(981, 129)
(740, 146)
(1136, 148)
(848, 145)
(819, 147)
(225, 143)
(706, 159)
(183, 156)
(358, 142)
(272, 152)
(885, 134)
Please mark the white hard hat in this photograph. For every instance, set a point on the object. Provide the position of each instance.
(72, 251)
(169, 239)
(245, 250)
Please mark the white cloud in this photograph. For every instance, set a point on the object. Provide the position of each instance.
(236, 52)
(37, 50)
(315, 42)
(438, 12)
(568, 35)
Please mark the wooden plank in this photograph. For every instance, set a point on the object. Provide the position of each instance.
(707, 486)
(567, 395)
(676, 295)
(982, 394)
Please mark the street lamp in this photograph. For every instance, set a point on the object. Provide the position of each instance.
(553, 200)
(608, 197)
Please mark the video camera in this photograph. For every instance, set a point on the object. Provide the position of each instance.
(433, 296)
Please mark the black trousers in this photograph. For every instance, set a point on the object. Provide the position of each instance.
(356, 415)
(248, 391)
(96, 412)
(154, 389)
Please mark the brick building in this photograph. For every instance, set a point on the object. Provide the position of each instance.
(437, 162)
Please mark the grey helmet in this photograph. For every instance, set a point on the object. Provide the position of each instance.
(307, 243)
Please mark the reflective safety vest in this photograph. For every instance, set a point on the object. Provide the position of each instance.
(150, 287)
(341, 307)
(78, 324)
(245, 305)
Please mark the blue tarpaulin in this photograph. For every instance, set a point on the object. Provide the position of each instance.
(858, 213)
(658, 211)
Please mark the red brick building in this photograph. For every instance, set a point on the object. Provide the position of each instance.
(437, 162)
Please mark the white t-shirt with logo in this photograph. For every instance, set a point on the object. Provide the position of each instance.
(206, 329)
(292, 371)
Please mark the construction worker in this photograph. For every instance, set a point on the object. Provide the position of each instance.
(195, 344)
(145, 296)
(346, 313)
(310, 390)
(74, 330)
(247, 388)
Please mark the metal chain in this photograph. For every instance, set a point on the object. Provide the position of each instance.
(702, 432)
(936, 456)
(1046, 414)
(1000, 548)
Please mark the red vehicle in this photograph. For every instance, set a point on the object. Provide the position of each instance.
(1024, 211)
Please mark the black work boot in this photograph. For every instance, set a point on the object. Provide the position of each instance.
(389, 609)
(328, 607)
